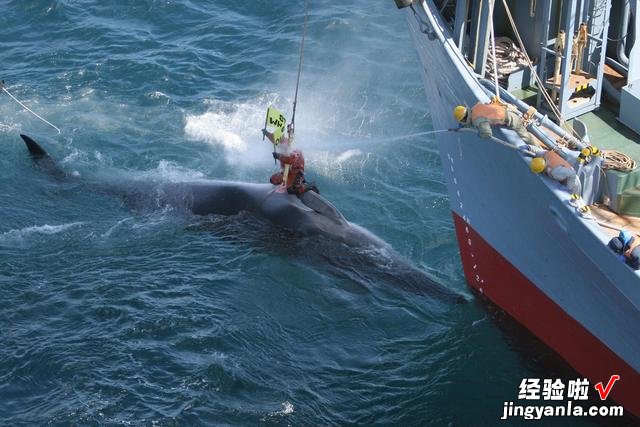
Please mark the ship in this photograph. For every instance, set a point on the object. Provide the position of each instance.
(527, 244)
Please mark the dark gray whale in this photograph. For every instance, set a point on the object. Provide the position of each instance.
(309, 215)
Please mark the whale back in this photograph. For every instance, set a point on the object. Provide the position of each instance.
(226, 198)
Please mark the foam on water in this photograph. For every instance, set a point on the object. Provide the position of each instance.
(159, 95)
(17, 234)
(215, 128)
(235, 127)
(287, 408)
(9, 128)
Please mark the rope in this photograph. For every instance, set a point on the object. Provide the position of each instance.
(532, 9)
(618, 161)
(509, 58)
(285, 172)
(27, 108)
(612, 159)
(493, 49)
(554, 108)
(304, 34)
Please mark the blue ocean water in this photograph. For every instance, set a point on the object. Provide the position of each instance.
(114, 315)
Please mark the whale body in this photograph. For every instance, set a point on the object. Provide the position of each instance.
(307, 215)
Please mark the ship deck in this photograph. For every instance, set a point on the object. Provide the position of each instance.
(607, 133)
(605, 130)
(612, 222)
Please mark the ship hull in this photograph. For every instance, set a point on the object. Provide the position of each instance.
(506, 287)
(521, 244)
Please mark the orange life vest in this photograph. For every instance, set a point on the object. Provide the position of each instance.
(295, 160)
(495, 114)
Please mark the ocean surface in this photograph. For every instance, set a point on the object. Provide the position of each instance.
(145, 315)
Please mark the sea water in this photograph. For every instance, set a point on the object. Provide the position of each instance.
(113, 314)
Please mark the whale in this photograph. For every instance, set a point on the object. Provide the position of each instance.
(309, 215)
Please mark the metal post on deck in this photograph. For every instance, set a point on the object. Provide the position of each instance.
(569, 12)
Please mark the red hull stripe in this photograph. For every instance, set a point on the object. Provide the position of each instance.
(491, 274)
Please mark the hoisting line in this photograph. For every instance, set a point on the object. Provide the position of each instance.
(285, 172)
(554, 109)
(4, 89)
(493, 49)
(304, 34)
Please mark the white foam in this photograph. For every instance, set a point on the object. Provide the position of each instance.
(39, 229)
(215, 128)
(287, 409)
(75, 156)
(8, 127)
(235, 127)
(158, 95)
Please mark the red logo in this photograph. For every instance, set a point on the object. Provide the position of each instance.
(604, 392)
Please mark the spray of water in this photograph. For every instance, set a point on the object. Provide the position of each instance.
(234, 128)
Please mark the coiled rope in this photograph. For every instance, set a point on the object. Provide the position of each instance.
(617, 161)
(509, 58)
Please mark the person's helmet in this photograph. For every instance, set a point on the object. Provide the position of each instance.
(537, 165)
(460, 113)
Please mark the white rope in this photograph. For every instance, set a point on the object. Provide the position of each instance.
(304, 35)
(509, 58)
(291, 133)
(29, 110)
(541, 87)
(493, 49)
(618, 161)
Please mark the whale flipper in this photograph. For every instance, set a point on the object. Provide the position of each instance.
(319, 204)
